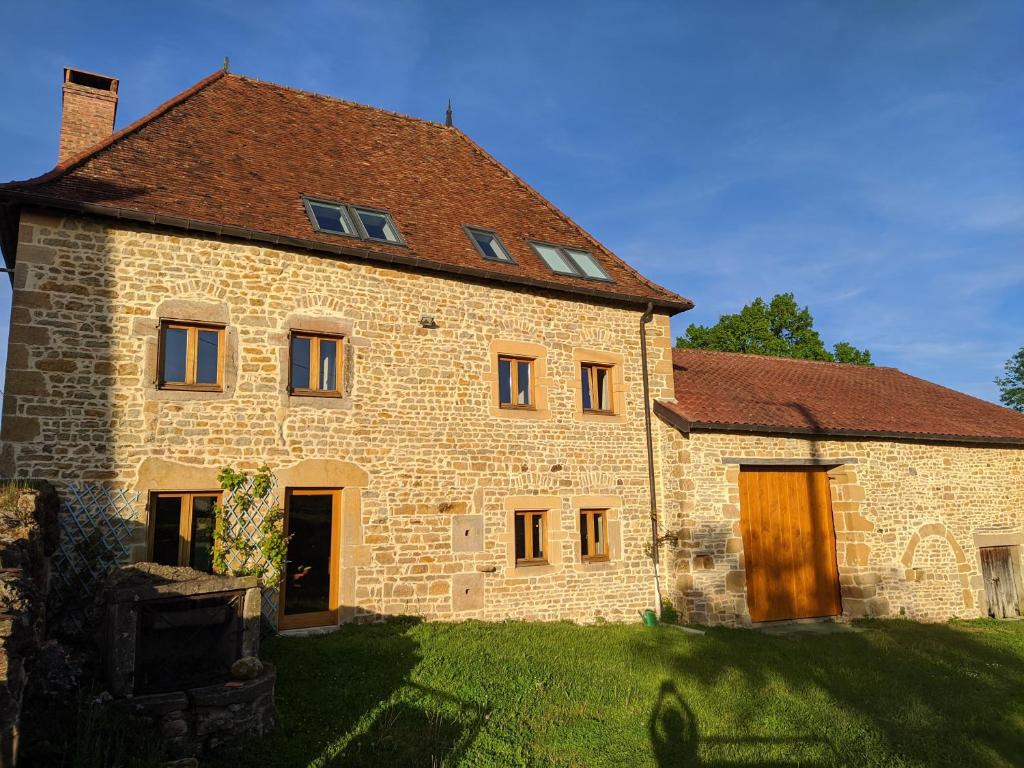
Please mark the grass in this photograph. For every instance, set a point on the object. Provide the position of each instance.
(515, 694)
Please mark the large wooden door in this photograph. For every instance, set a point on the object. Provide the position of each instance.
(309, 592)
(1000, 583)
(789, 543)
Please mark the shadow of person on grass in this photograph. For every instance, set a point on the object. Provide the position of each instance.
(675, 739)
(897, 692)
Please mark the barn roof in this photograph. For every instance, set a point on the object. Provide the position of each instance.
(724, 391)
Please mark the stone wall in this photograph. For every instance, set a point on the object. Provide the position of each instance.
(27, 530)
(421, 452)
(909, 521)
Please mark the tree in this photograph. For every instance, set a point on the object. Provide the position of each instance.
(779, 328)
(1011, 385)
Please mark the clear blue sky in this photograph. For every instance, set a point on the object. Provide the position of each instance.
(867, 156)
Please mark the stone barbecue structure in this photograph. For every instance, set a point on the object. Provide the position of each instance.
(172, 642)
(469, 404)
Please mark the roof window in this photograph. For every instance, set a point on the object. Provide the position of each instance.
(489, 245)
(351, 221)
(570, 261)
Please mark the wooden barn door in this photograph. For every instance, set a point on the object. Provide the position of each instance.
(789, 543)
(1000, 583)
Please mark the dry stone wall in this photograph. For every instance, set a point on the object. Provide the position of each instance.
(909, 521)
(415, 442)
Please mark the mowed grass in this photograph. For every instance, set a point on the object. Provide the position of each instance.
(516, 694)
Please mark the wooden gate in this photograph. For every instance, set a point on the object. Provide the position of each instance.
(1001, 583)
(789, 543)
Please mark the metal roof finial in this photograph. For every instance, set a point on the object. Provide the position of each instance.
(448, 114)
(227, 64)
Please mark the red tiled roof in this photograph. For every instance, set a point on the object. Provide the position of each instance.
(724, 390)
(234, 156)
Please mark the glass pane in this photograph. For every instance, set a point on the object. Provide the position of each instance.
(599, 534)
(588, 264)
(585, 382)
(207, 357)
(604, 395)
(328, 365)
(201, 556)
(300, 362)
(307, 586)
(331, 218)
(175, 346)
(166, 527)
(505, 382)
(554, 259)
(584, 538)
(520, 537)
(523, 383)
(537, 532)
(490, 246)
(378, 226)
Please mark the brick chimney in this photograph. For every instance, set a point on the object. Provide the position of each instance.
(90, 103)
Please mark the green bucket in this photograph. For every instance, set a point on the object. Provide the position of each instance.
(650, 618)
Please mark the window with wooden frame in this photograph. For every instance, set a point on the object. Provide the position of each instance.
(531, 532)
(596, 386)
(191, 356)
(315, 363)
(594, 534)
(515, 382)
(181, 529)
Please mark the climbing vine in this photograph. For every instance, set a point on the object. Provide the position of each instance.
(233, 551)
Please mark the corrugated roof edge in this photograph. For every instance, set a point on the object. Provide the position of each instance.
(672, 415)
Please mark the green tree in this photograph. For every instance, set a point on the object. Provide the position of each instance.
(1011, 386)
(780, 328)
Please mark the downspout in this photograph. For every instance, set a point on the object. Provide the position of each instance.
(655, 554)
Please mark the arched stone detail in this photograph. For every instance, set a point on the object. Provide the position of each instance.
(326, 304)
(199, 289)
(939, 530)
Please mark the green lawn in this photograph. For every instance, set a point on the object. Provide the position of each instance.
(411, 694)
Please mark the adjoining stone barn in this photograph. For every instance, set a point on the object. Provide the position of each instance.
(802, 489)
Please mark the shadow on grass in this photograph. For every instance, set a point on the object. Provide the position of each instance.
(898, 693)
(359, 709)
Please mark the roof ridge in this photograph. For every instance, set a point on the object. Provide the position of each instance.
(61, 168)
(348, 102)
(786, 359)
(561, 214)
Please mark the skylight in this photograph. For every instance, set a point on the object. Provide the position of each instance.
(570, 261)
(348, 220)
(489, 245)
(377, 225)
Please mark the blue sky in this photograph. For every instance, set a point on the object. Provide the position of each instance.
(867, 156)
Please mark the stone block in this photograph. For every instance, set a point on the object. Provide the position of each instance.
(467, 592)
(736, 581)
(467, 533)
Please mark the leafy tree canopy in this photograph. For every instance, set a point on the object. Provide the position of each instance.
(779, 328)
(1011, 386)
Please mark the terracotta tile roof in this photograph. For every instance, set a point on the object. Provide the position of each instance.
(724, 390)
(233, 155)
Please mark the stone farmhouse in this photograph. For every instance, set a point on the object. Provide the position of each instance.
(472, 409)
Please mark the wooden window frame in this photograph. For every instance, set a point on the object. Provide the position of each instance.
(191, 356)
(514, 360)
(588, 520)
(592, 381)
(184, 521)
(314, 364)
(528, 559)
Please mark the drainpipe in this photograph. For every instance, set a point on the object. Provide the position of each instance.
(655, 555)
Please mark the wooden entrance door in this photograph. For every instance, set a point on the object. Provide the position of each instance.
(789, 543)
(1001, 583)
(309, 593)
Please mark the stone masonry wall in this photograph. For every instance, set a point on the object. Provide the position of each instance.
(909, 521)
(430, 470)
